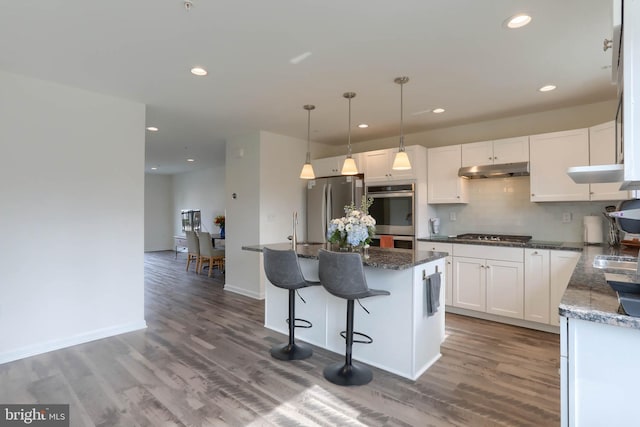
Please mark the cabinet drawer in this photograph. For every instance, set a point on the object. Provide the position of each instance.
(437, 247)
(489, 252)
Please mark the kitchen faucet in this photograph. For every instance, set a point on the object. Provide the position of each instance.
(294, 236)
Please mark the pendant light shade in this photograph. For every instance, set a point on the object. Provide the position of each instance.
(307, 168)
(401, 161)
(349, 166)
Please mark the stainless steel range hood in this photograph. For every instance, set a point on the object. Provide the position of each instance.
(504, 170)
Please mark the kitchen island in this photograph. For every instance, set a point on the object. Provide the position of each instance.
(599, 348)
(406, 341)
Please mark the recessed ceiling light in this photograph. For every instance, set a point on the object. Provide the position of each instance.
(547, 88)
(518, 21)
(363, 125)
(153, 168)
(198, 71)
(152, 129)
(438, 110)
(190, 160)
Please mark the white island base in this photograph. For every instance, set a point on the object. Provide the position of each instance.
(406, 341)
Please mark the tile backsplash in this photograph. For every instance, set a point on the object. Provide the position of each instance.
(501, 205)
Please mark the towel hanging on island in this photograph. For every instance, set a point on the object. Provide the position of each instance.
(432, 293)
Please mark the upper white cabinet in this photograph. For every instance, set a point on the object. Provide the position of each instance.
(444, 184)
(551, 154)
(508, 150)
(332, 166)
(377, 164)
(602, 151)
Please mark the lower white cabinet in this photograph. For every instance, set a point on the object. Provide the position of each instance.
(561, 266)
(448, 277)
(536, 285)
(488, 279)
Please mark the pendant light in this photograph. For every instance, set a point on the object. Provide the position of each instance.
(307, 168)
(349, 167)
(401, 161)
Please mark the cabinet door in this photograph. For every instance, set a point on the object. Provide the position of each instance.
(561, 266)
(406, 174)
(469, 283)
(551, 154)
(602, 151)
(448, 248)
(444, 184)
(536, 285)
(505, 283)
(511, 150)
(376, 165)
(477, 153)
(329, 166)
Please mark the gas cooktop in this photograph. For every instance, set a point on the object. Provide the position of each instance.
(506, 238)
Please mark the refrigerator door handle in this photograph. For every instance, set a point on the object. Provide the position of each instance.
(328, 209)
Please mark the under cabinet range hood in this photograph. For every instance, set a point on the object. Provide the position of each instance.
(504, 170)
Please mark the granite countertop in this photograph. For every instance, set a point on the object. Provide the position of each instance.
(589, 297)
(390, 259)
(531, 244)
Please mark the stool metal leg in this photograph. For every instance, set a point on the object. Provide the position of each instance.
(291, 350)
(348, 373)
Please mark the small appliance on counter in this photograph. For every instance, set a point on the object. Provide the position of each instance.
(593, 231)
(435, 225)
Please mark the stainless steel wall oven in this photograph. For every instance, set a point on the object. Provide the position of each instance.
(393, 209)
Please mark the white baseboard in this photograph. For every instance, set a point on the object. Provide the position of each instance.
(243, 291)
(35, 349)
(502, 319)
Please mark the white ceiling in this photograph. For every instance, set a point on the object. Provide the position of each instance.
(457, 54)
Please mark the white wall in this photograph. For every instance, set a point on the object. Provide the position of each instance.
(202, 189)
(72, 185)
(526, 124)
(263, 170)
(158, 212)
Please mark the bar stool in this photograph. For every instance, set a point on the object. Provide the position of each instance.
(342, 275)
(282, 270)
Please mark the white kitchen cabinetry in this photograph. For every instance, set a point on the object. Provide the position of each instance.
(488, 279)
(561, 266)
(444, 184)
(332, 166)
(448, 248)
(508, 150)
(536, 285)
(551, 154)
(377, 164)
(598, 374)
(602, 151)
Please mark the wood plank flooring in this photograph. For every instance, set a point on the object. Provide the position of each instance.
(204, 361)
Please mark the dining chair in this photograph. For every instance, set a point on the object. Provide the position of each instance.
(208, 254)
(193, 248)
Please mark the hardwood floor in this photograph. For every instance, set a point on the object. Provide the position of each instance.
(204, 361)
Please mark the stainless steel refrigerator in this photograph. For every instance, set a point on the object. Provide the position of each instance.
(326, 199)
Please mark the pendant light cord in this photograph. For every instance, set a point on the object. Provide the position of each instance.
(401, 119)
(309, 135)
(349, 132)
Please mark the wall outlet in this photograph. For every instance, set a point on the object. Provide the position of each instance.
(452, 216)
(566, 217)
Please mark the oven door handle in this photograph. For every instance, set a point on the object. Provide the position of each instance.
(390, 195)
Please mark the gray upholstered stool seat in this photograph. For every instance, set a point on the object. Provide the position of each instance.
(342, 275)
(282, 270)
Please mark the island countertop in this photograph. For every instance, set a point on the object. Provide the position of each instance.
(589, 297)
(390, 259)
